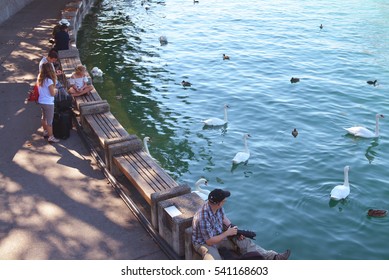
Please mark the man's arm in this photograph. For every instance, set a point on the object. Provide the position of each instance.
(231, 231)
(226, 221)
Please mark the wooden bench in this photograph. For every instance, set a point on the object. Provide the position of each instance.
(69, 59)
(151, 180)
(69, 64)
(96, 119)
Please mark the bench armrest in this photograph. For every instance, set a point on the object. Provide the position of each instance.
(94, 107)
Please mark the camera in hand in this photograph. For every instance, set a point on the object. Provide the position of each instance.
(246, 233)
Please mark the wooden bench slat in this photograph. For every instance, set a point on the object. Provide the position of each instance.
(167, 180)
(164, 179)
(111, 124)
(105, 126)
(85, 98)
(144, 173)
(135, 178)
(153, 179)
(101, 122)
(96, 128)
(68, 65)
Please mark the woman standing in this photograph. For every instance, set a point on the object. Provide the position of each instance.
(47, 90)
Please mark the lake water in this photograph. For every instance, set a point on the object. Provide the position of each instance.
(282, 192)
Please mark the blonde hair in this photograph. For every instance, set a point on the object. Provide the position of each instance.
(47, 72)
(80, 69)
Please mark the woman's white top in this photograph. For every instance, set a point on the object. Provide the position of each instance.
(78, 82)
(44, 92)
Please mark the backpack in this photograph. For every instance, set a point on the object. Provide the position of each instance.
(33, 94)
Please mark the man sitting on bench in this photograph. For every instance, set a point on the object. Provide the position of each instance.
(208, 235)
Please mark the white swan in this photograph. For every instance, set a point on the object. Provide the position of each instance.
(361, 131)
(245, 154)
(341, 191)
(96, 72)
(217, 121)
(201, 192)
(146, 140)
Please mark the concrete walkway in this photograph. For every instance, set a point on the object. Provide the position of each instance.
(55, 203)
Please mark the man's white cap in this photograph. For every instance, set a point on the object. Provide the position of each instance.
(64, 21)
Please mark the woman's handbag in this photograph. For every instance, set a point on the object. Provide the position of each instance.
(33, 94)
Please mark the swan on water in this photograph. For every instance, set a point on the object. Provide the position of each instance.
(217, 121)
(201, 192)
(245, 154)
(146, 140)
(361, 131)
(341, 191)
(96, 72)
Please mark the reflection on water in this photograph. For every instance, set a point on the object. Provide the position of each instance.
(222, 129)
(370, 153)
(337, 203)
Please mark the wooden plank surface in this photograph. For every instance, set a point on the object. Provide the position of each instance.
(165, 178)
(135, 178)
(100, 133)
(89, 97)
(105, 126)
(69, 64)
(144, 173)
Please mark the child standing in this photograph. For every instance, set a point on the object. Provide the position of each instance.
(47, 90)
(78, 82)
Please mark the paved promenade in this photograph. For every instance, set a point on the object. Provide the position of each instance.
(55, 203)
